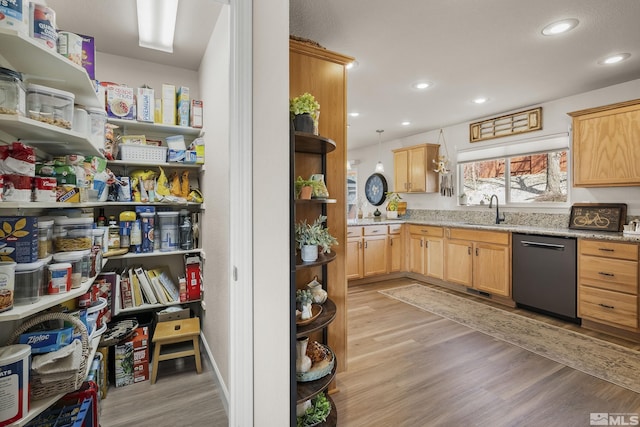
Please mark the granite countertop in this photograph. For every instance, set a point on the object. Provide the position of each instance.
(514, 228)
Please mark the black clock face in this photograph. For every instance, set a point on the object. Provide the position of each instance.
(375, 189)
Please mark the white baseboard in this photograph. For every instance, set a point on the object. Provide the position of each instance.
(217, 375)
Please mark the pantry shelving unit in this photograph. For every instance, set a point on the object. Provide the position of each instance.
(44, 66)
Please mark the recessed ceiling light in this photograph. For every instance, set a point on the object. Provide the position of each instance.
(421, 85)
(352, 65)
(480, 100)
(560, 27)
(614, 59)
(406, 123)
(354, 114)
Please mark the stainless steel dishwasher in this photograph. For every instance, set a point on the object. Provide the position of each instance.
(544, 274)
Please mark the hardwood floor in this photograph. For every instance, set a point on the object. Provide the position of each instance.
(180, 397)
(408, 367)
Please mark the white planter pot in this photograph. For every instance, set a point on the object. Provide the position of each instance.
(309, 253)
(392, 214)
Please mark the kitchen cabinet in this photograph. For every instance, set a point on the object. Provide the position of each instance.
(413, 169)
(355, 266)
(479, 259)
(426, 250)
(396, 248)
(322, 73)
(605, 141)
(375, 256)
(608, 283)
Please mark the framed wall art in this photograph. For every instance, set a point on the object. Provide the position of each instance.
(598, 216)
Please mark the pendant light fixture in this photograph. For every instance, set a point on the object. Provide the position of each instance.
(379, 165)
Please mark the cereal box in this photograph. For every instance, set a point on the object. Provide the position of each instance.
(168, 104)
(196, 113)
(89, 55)
(19, 238)
(120, 102)
(145, 104)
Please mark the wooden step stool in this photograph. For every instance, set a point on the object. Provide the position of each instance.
(174, 332)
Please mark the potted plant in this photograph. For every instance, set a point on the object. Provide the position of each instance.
(311, 236)
(393, 205)
(304, 110)
(304, 188)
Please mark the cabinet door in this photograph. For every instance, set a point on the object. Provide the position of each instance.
(375, 255)
(417, 170)
(434, 257)
(416, 254)
(604, 152)
(400, 172)
(354, 258)
(395, 253)
(491, 268)
(458, 262)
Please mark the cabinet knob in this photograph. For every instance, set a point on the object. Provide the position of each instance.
(365, 245)
(469, 250)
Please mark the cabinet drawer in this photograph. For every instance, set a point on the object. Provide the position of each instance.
(375, 230)
(426, 230)
(611, 307)
(395, 229)
(354, 231)
(497, 237)
(612, 274)
(609, 249)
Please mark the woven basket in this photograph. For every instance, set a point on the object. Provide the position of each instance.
(40, 390)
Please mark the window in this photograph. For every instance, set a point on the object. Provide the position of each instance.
(516, 177)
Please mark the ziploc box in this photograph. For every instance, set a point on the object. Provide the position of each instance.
(19, 238)
(168, 104)
(145, 104)
(120, 102)
(89, 55)
(47, 341)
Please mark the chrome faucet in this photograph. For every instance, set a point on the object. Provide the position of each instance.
(498, 218)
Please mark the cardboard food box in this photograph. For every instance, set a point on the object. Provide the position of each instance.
(194, 282)
(120, 102)
(164, 316)
(145, 104)
(89, 55)
(197, 110)
(183, 103)
(132, 358)
(19, 238)
(168, 104)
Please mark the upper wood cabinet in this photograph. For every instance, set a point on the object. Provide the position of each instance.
(413, 169)
(606, 145)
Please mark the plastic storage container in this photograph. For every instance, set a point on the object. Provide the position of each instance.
(59, 278)
(97, 123)
(73, 258)
(45, 238)
(168, 226)
(72, 234)
(48, 105)
(28, 282)
(12, 92)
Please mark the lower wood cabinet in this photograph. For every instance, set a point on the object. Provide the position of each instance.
(608, 283)
(396, 248)
(374, 250)
(479, 259)
(426, 250)
(375, 254)
(355, 267)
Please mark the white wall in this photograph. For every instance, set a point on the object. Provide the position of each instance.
(555, 120)
(214, 84)
(271, 212)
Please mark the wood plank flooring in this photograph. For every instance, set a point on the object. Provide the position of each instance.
(180, 397)
(408, 367)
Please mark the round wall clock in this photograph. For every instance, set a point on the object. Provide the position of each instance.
(376, 189)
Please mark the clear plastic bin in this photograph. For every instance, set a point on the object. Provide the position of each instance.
(51, 106)
(28, 282)
(73, 234)
(12, 92)
(97, 123)
(75, 258)
(45, 238)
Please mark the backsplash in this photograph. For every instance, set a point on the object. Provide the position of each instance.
(545, 220)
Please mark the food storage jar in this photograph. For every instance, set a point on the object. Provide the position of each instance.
(12, 92)
(168, 225)
(80, 120)
(74, 258)
(48, 105)
(72, 234)
(45, 238)
(28, 282)
(96, 252)
(97, 123)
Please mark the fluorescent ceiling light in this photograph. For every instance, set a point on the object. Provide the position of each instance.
(157, 24)
(560, 27)
(614, 59)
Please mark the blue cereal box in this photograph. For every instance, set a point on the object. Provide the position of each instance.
(19, 238)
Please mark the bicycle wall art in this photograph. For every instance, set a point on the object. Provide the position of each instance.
(598, 216)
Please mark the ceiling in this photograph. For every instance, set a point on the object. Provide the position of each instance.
(114, 26)
(466, 48)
